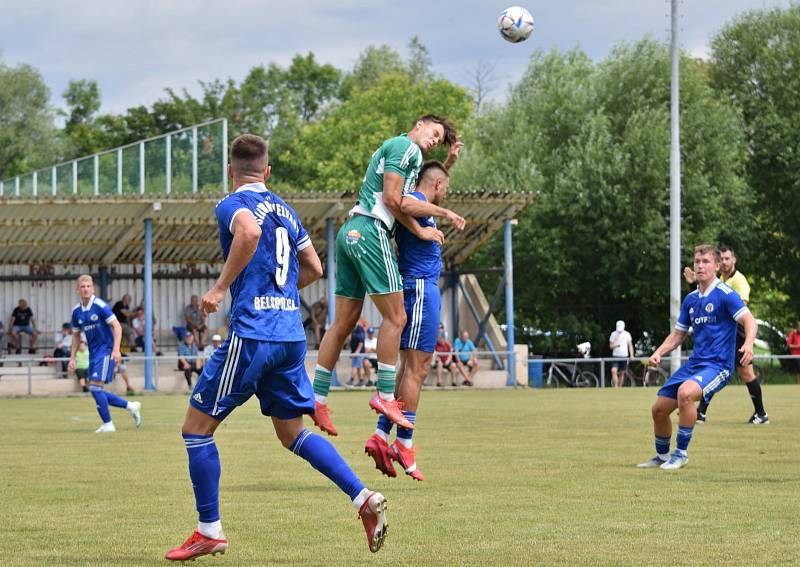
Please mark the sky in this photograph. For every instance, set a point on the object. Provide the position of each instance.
(135, 49)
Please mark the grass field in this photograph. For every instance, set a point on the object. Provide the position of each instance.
(513, 478)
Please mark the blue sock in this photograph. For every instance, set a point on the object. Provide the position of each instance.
(403, 434)
(684, 436)
(662, 445)
(385, 425)
(204, 470)
(101, 401)
(326, 459)
(115, 400)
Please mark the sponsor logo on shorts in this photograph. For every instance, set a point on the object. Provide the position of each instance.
(198, 398)
(698, 378)
(352, 236)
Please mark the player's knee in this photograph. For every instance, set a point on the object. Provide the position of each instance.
(659, 411)
(687, 395)
(396, 319)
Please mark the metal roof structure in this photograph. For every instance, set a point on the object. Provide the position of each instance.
(106, 229)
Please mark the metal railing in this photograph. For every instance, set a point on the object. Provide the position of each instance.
(185, 161)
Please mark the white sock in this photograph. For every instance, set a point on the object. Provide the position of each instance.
(405, 442)
(359, 500)
(664, 457)
(211, 529)
(321, 399)
(382, 434)
(386, 397)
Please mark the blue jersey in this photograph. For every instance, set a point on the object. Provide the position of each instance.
(712, 317)
(417, 258)
(94, 321)
(265, 302)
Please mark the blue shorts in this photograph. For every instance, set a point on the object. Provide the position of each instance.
(422, 302)
(358, 360)
(274, 371)
(711, 377)
(28, 329)
(101, 368)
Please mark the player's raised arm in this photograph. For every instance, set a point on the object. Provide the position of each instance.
(246, 234)
(310, 268)
(392, 200)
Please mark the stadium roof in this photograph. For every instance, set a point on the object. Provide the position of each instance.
(107, 230)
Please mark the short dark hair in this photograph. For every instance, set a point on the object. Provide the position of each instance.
(708, 249)
(249, 154)
(726, 248)
(431, 166)
(450, 134)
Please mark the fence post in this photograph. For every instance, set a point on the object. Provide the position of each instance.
(30, 375)
(602, 372)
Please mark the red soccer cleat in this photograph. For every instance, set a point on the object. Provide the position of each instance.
(393, 409)
(407, 459)
(373, 516)
(196, 546)
(322, 419)
(378, 449)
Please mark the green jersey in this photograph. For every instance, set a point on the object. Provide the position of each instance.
(397, 155)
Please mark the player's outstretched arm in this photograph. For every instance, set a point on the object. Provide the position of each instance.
(416, 208)
(672, 342)
(310, 268)
(750, 330)
(392, 198)
(246, 234)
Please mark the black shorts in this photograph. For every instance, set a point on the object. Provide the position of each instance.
(82, 373)
(620, 365)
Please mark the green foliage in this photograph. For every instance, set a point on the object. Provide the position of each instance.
(28, 136)
(755, 65)
(592, 142)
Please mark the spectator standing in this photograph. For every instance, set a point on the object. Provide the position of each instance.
(195, 322)
(122, 310)
(63, 342)
(357, 338)
(444, 360)
(371, 350)
(621, 344)
(317, 317)
(22, 321)
(82, 365)
(465, 356)
(188, 361)
(793, 342)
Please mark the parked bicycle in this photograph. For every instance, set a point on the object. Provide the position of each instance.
(642, 374)
(570, 374)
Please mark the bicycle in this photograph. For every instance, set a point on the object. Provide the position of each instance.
(650, 375)
(570, 375)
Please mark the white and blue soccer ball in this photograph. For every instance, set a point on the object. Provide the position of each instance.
(515, 24)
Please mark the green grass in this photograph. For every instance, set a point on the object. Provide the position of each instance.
(513, 478)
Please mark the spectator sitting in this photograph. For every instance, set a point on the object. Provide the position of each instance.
(22, 321)
(317, 316)
(208, 352)
(195, 321)
(465, 351)
(371, 351)
(444, 361)
(63, 342)
(82, 364)
(124, 314)
(138, 327)
(188, 361)
(793, 342)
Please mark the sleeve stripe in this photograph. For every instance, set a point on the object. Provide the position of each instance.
(111, 318)
(739, 314)
(681, 327)
(233, 216)
(303, 244)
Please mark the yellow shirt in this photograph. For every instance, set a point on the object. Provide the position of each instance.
(739, 284)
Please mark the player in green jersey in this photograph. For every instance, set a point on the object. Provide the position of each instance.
(366, 263)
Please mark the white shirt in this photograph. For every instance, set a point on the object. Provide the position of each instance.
(208, 351)
(64, 341)
(622, 339)
(371, 344)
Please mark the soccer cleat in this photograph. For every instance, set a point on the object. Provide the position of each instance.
(322, 419)
(373, 516)
(393, 409)
(196, 546)
(756, 419)
(651, 463)
(701, 417)
(136, 414)
(106, 428)
(378, 449)
(407, 459)
(676, 461)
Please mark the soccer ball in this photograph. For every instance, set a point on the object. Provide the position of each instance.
(515, 24)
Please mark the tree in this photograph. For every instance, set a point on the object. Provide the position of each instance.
(420, 64)
(481, 81)
(592, 142)
(371, 65)
(28, 137)
(755, 65)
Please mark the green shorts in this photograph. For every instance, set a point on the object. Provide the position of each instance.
(365, 260)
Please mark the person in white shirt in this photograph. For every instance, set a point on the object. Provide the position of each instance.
(371, 361)
(621, 344)
(216, 341)
(63, 342)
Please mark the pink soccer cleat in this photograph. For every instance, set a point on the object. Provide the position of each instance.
(407, 459)
(322, 419)
(378, 449)
(393, 409)
(373, 516)
(196, 546)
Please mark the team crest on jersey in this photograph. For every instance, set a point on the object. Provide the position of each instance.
(93, 317)
(352, 237)
(710, 308)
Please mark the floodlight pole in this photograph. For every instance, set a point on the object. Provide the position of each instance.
(509, 278)
(148, 304)
(675, 189)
